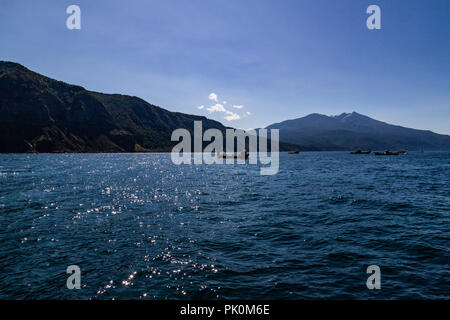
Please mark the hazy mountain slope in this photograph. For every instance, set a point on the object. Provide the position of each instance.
(39, 114)
(350, 131)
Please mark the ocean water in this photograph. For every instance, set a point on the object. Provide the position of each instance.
(140, 227)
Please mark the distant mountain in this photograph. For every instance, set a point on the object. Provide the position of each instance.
(39, 114)
(350, 131)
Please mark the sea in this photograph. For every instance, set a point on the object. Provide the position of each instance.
(140, 227)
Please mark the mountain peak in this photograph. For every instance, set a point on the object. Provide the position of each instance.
(351, 131)
(11, 65)
(347, 115)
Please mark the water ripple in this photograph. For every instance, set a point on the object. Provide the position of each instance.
(140, 227)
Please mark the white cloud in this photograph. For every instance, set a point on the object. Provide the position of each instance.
(219, 107)
(248, 113)
(216, 108)
(213, 96)
(232, 116)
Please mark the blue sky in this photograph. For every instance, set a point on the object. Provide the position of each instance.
(278, 59)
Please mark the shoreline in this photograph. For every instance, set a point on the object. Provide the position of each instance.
(168, 152)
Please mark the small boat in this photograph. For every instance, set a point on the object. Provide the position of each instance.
(293, 152)
(402, 152)
(360, 152)
(386, 153)
(242, 155)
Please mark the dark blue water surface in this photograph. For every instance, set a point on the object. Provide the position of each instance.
(141, 227)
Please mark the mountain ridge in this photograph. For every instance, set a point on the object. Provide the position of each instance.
(40, 114)
(350, 131)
